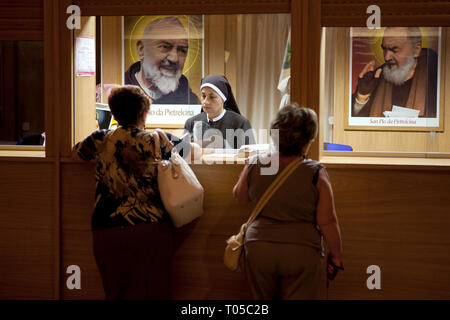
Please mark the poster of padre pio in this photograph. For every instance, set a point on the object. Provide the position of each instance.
(395, 79)
(164, 56)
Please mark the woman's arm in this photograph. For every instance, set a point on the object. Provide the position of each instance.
(88, 148)
(240, 190)
(327, 219)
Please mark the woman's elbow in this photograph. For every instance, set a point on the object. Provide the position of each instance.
(240, 196)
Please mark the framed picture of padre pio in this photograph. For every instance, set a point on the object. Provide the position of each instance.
(395, 76)
(164, 56)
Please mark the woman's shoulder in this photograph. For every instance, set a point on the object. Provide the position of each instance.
(313, 167)
(313, 164)
(100, 134)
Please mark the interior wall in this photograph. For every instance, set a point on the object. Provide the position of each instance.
(363, 140)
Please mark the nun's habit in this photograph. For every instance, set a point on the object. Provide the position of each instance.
(231, 129)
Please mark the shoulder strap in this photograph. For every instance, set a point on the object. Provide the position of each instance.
(270, 191)
(157, 136)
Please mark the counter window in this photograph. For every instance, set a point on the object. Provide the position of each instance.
(382, 92)
(21, 94)
(168, 56)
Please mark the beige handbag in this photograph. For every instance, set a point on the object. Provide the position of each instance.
(181, 192)
(232, 257)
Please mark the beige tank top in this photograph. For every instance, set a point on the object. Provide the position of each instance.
(290, 215)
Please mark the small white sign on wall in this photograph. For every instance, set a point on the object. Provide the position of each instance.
(171, 114)
(85, 57)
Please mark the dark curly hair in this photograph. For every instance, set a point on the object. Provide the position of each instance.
(127, 103)
(297, 127)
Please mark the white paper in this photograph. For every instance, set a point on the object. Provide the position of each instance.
(401, 112)
(255, 147)
(85, 57)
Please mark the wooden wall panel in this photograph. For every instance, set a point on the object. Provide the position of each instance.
(27, 230)
(396, 223)
(111, 63)
(140, 7)
(198, 271)
(398, 220)
(214, 44)
(58, 58)
(346, 13)
(306, 35)
(231, 50)
(77, 202)
(84, 114)
(22, 20)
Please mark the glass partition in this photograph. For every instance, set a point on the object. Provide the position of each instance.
(21, 93)
(383, 92)
(167, 56)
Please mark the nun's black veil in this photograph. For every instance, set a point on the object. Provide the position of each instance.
(223, 85)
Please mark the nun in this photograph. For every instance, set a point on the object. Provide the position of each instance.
(220, 124)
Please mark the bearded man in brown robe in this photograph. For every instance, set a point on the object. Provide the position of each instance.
(408, 78)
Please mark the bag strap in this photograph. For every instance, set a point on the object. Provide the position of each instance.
(270, 191)
(157, 134)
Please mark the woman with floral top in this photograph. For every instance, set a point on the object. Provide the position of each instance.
(132, 232)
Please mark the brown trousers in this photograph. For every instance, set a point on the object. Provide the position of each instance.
(285, 271)
(134, 262)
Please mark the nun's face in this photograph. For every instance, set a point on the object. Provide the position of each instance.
(212, 103)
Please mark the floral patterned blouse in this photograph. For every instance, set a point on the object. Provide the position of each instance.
(126, 176)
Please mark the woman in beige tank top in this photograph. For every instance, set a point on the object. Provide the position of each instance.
(284, 253)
